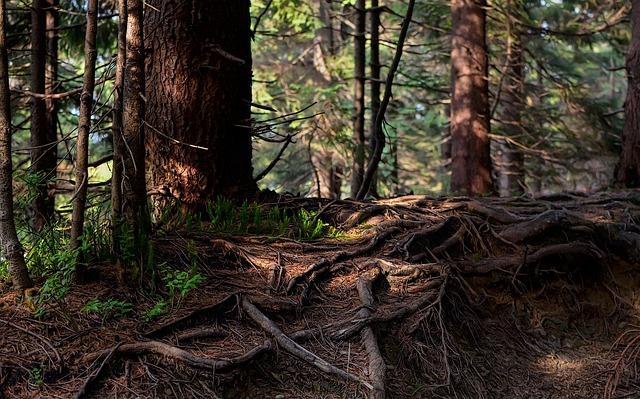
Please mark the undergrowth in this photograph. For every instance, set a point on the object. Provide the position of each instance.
(224, 217)
(51, 260)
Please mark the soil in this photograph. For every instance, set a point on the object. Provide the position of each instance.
(420, 298)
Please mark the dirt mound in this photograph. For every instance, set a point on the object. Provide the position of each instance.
(420, 297)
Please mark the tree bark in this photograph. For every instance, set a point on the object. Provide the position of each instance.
(357, 167)
(627, 172)
(43, 153)
(11, 248)
(198, 113)
(84, 128)
(375, 67)
(508, 159)
(119, 150)
(134, 206)
(52, 22)
(470, 149)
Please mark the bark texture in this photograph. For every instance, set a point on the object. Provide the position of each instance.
(84, 128)
(470, 149)
(134, 207)
(116, 128)
(11, 248)
(43, 153)
(375, 66)
(358, 162)
(198, 113)
(52, 23)
(628, 169)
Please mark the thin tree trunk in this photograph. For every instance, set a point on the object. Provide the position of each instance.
(135, 210)
(627, 172)
(84, 128)
(11, 248)
(119, 150)
(374, 64)
(357, 167)
(470, 149)
(51, 83)
(372, 167)
(508, 159)
(43, 154)
(198, 113)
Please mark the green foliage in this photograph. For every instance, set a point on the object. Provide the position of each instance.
(251, 218)
(179, 283)
(108, 308)
(35, 376)
(159, 309)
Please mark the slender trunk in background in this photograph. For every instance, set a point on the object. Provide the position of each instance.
(327, 33)
(10, 245)
(198, 118)
(470, 149)
(84, 128)
(357, 166)
(374, 64)
(119, 150)
(627, 172)
(43, 154)
(508, 159)
(51, 82)
(134, 206)
(372, 166)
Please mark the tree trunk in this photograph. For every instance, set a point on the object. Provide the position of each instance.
(11, 248)
(375, 66)
(43, 154)
(508, 159)
(327, 33)
(84, 127)
(135, 210)
(51, 83)
(357, 166)
(198, 113)
(329, 174)
(627, 172)
(470, 150)
(119, 150)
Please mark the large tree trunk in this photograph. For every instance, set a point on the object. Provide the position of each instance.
(628, 169)
(84, 127)
(508, 159)
(470, 150)
(11, 248)
(357, 167)
(43, 153)
(198, 111)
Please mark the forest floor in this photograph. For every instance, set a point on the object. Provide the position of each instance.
(419, 298)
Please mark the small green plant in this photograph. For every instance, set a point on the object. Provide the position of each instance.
(4, 271)
(159, 309)
(108, 308)
(35, 376)
(179, 283)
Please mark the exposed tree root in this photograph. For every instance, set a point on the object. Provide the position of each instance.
(439, 263)
(377, 366)
(293, 348)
